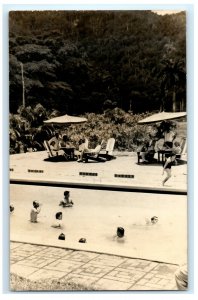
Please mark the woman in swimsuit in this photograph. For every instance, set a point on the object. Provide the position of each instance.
(167, 167)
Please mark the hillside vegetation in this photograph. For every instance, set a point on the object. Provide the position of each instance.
(87, 61)
(113, 67)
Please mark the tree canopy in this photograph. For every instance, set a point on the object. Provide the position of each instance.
(83, 61)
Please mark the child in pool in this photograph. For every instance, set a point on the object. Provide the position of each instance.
(66, 201)
(11, 208)
(34, 212)
(58, 222)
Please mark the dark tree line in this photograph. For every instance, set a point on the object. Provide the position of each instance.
(88, 61)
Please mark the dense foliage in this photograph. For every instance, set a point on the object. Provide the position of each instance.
(28, 132)
(89, 61)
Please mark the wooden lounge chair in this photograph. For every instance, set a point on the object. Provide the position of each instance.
(86, 143)
(51, 155)
(47, 148)
(183, 143)
(93, 154)
(108, 152)
(151, 159)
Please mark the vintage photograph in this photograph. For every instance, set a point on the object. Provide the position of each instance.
(98, 150)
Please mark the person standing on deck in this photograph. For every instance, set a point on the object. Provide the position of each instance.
(167, 167)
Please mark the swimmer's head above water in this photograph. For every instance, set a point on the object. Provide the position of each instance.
(154, 220)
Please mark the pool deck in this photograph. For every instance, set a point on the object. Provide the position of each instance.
(120, 172)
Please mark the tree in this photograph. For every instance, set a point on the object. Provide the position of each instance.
(75, 60)
(172, 78)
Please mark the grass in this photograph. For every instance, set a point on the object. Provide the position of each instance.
(18, 283)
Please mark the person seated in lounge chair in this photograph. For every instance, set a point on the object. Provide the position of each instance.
(88, 153)
(55, 151)
(54, 144)
(55, 140)
(67, 147)
(177, 148)
(83, 146)
(65, 142)
(147, 152)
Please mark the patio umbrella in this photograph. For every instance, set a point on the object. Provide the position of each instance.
(66, 119)
(162, 116)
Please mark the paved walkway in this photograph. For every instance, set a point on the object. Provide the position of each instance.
(97, 271)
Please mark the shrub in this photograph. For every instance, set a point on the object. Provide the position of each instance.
(114, 123)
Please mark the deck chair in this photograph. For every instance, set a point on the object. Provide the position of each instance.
(51, 156)
(93, 154)
(86, 143)
(183, 145)
(108, 152)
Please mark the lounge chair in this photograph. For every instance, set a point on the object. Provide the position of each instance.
(51, 155)
(182, 155)
(93, 154)
(86, 143)
(108, 152)
(183, 143)
(149, 159)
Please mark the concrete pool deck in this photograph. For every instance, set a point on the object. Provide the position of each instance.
(122, 171)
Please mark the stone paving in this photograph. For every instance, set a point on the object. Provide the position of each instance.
(96, 271)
